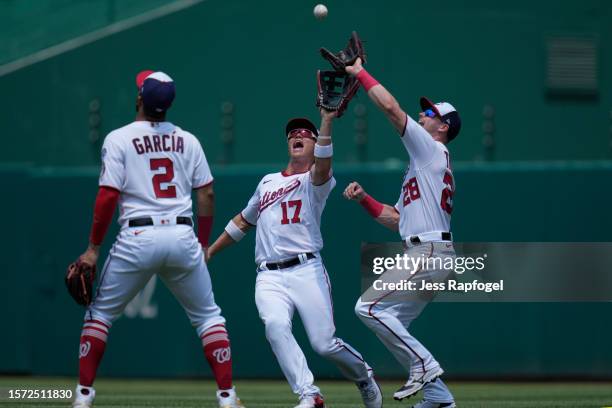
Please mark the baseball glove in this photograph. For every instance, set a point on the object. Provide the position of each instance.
(347, 56)
(335, 90)
(79, 281)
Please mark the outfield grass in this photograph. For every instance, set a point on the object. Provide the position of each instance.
(276, 394)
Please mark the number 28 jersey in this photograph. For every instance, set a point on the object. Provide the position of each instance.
(155, 167)
(287, 212)
(426, 199)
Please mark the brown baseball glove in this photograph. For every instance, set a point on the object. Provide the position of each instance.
(335, 90)
(79, 280)
(346, 56)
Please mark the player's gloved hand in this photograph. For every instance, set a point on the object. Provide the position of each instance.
(81, 275)
(355, 68)
(79, 281)
(346, 56)
(354, 191)
(335, 90)
(327, 114)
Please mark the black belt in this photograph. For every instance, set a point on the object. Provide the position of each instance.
(143, 222)
(446, 236)
(288, 263)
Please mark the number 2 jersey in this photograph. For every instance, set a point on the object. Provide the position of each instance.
(426, 200)
(155, 166)
(287, 212)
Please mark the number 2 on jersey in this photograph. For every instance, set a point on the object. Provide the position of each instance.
(166, 177)
(296, 213)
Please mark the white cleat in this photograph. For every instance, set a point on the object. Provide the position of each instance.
(229, 399)
(416, 382)
(311, 401)
(370, 393)
(429, 404)
(84, 397)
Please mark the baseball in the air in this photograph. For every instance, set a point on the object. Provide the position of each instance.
(320, 11)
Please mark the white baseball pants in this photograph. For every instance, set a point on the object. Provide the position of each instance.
(305, 288)
(175, 255)
(389, 314)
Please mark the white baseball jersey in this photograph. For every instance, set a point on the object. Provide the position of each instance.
(287, 211)
(155, 166)
(426, 200)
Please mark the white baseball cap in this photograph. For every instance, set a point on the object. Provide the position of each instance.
(447, 113)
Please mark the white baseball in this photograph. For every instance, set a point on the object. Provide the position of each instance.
(320, 11)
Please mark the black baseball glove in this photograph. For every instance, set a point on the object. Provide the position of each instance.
(347, 56)
(335, 90)
(80, 277)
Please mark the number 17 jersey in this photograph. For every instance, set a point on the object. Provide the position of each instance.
(287, 211)
(155, 166)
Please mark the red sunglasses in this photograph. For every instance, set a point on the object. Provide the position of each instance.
(302, 133)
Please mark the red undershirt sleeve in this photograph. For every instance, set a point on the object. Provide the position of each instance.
(106, 201)
(205, 223)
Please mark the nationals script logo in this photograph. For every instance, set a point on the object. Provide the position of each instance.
(270, 197)
(222, 355)
(84, 349)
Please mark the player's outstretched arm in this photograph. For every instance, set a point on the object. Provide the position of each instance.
(383, 214)
(235, 230)
(379, 95)
(321, 171)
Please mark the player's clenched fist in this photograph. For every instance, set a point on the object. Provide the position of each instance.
(354, 191)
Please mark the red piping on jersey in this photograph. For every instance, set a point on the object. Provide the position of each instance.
(285, 174)
(110, 187)
(373, 315)
(204, 185)
(106, 201)
(245, 220)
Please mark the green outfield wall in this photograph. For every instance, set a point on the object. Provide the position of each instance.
(490, 59)
(47, 212)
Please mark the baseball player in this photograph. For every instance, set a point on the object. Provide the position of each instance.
(286, 208)
(422, 216)
(150, 167)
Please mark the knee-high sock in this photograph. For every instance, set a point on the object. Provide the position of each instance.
(91, 350)
(219, 355)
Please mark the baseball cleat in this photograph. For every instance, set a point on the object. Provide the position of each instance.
(416, 382)
(229, 399)
(370, 393)
(311, 401)
(429, 404)
(84, 397)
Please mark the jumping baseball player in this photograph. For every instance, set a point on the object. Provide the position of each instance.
(150, 167)
(287, 208)
(422, 217)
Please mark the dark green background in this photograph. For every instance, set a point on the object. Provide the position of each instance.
(49, 220)
(547, 178)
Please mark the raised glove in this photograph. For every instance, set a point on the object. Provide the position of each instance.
(79, 280)
(335, 90)
(347, 56)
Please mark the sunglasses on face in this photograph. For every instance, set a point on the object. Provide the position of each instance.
(430, 113)
(300, 132)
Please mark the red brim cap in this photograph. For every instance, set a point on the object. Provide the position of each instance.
(427, 104)
(140, 78)
(301, 123)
